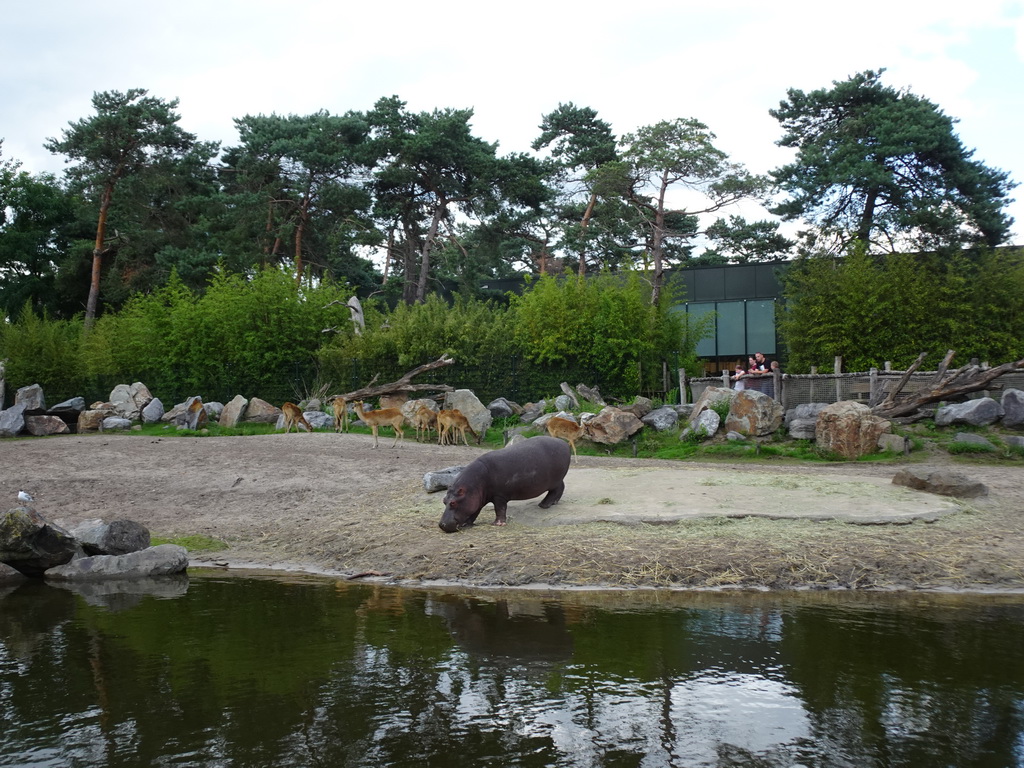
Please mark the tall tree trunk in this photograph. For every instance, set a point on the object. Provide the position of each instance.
(97, 257)
(299, 230)
(658, 244)
(583, 225)
(428, 244)
(867, 217)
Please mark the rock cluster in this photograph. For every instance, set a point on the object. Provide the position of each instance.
(32, 546)
(847, 428)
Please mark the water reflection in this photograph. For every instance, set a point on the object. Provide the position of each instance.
(262, 670)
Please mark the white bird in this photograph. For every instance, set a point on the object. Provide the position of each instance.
(24, 497)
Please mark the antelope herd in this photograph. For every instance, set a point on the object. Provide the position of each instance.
(448, 424)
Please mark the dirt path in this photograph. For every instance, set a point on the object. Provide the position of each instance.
(326, 502)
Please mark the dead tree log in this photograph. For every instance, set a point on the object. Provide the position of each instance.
(946, 384)
(403, 384)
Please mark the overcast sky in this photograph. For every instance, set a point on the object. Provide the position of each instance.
(725, 63)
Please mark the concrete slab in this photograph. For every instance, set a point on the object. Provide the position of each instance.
(668, 495)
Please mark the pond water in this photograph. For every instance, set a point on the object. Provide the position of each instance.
(257, 669)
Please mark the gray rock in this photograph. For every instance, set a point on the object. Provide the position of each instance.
(114, 423)
(972, 439)
(192, 416)
(940, 481)
(233, 412)
(661, 419)
(118, 537)
(980, 413)
(12, 421)
(591, 394)
(46, 425)
(803, 411)
(890, 442)
(74, 405)
(1015, 441)
(802, 429)
(465, 401)
(710, 396)
(153, 412)
(8, 574)
(215, 409)
(31, 544)
(156, 561)
(640, 407)
(707, 422)
(684, 411)
(735, 437)
(502, 408)
(533, 411)
(32, 398)
(319, 419)
(1012, 402)
(128, 400)
(564, 403)
(441, 479)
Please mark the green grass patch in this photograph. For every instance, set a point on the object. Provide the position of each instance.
(959, 449)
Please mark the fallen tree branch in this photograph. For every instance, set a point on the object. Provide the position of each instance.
(404, 384)
(963, 381)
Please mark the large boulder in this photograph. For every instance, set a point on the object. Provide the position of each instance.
(114, 423)
(476, 412)
(8, 574)
(661, 419)
(30, 544)
(128, 400)
(74, 405)
(706, 423)
(46, 425)
(234, 411)
(980, 412)
(754, 413)
(612, 426)
(318, 419)
(1012, 402)
(161, 560)
(261, 412)
(153, 411)
(802, 420)
(91, 419)
(849, 429)
(32, 398)
(532, 411)
(502, 408)
(709, 397)
(118, 537)
(941, 481)
(440, 479)
(640, 406)
(12, 421)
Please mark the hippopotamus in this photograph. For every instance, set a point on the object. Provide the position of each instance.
(520, 471)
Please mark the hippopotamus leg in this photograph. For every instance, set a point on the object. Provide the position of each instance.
(553, 496)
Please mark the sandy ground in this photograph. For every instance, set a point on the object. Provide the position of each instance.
(332, 503)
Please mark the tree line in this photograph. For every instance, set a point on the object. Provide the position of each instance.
(321, 193)
(152, 238)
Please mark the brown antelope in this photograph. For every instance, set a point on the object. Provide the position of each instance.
(567, 429)
(340, 406)
(453, 420)
(293, 417)
(424, 420)
(386, 417)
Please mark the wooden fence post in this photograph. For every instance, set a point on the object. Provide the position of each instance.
(683, 396)
(838, 365)
(3, 363)
(872, 386)
(777, 384)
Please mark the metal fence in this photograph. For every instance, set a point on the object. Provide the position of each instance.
(791, 390)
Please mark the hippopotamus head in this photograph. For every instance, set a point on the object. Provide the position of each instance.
(461, 508)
